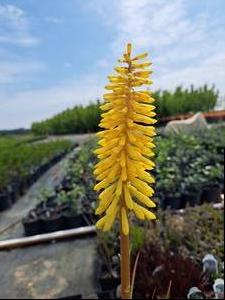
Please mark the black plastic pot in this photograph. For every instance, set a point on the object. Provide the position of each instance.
(106, 295)
(211, 193)
(79, 296)
(54, 223)
(43, 169)
(14, 192)
(159, 199)
(5, 201)
(54, 160)
(108, 283)
(35, 177)
(190, 198)
(32, 226)
(38, 172)
(13, 196)
(32, 178)
(40, 208)
(220, 149)
(89, 218)
(23, 187)
(58, 189)
(172, 202)
(66, 185)
(29, 180)
(51, 201)
(73, 221)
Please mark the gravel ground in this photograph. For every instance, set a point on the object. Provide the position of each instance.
(49, 271)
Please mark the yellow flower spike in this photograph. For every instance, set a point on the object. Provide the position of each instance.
(129, 48)
(140, 56)
(100, 224)
(138, 212)
(126, 145)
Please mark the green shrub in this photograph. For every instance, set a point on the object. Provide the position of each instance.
(82, 119)
(76, 120)
(183, 101)
(18, 159)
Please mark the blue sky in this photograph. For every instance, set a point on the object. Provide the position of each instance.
(55, 54)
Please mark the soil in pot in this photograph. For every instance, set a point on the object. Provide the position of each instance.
(211, 193)
(190, 198)
(172, 202)
(53, 222)
(5, 201)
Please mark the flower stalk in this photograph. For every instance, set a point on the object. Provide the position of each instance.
(125, 153)
(125, 265)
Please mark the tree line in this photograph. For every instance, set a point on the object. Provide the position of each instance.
(84, 119)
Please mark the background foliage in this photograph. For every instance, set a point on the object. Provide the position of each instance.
(81, 119)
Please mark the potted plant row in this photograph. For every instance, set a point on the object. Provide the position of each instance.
(108, 267)
(188, 172)
(61, 211)
(16, 179)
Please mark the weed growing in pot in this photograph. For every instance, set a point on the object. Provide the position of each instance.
(137, 236)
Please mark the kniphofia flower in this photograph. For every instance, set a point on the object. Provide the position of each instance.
(126, 145)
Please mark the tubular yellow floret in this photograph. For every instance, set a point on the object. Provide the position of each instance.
(126, 145)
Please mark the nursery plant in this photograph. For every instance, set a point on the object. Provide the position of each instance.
(169, 254)
(125, 152)
(22, 162)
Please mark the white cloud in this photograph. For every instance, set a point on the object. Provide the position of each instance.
(199, 74)
(179, 43)
(15, 30)
(22, 108)
(19, 71)
(54, 20)
(12, 14)
(14, 27)
(185, 49)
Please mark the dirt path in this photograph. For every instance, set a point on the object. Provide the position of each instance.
(49, 271)
(79, 138)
